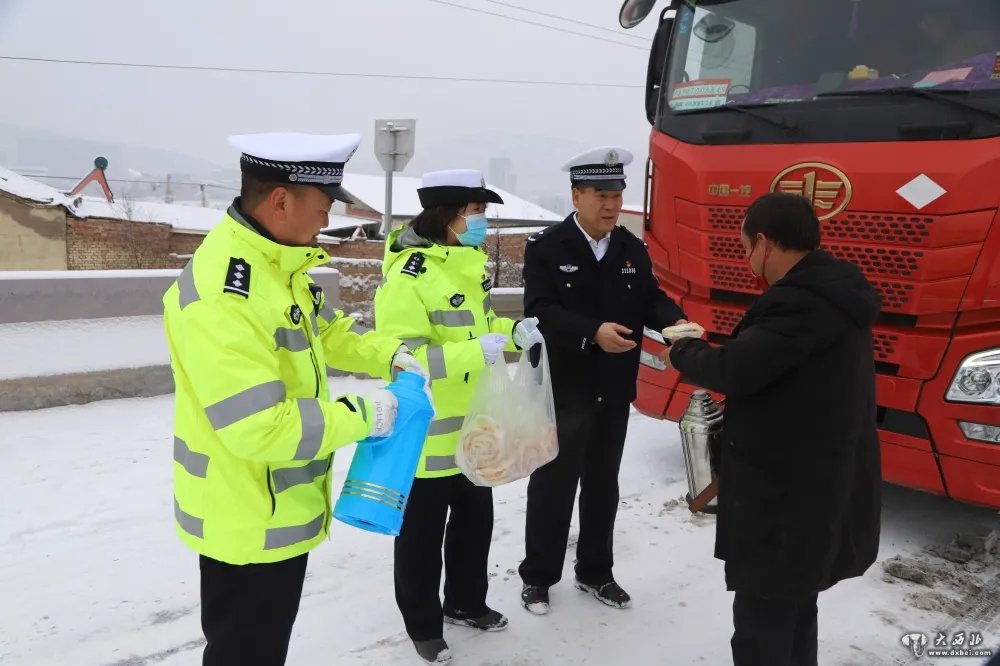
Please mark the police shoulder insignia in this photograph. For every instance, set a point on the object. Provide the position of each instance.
(317, 296)
(295, 314)
(414, 265)
(457, 300)
(238, 278)
(487, 284)
(536, 237)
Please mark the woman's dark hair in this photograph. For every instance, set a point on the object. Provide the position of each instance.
(787, 219)
(432, 223)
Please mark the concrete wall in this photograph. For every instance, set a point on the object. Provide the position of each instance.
(31, 237)
(27, 297)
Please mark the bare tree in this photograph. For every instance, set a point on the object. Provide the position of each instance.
(126, 208)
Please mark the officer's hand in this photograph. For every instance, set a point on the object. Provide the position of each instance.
(405, 361)
(382, 407)
(609, 338)
(492, 344)
(526, 333)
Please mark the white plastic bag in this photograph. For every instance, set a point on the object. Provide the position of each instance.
(510, 428)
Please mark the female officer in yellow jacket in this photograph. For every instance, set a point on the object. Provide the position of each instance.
(435, 296)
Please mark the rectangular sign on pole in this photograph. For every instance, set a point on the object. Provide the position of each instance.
(394, 144)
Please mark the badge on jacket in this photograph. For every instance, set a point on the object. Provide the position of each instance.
(317, 296)
(628, 268)
(414, 265)
(569, 268)
(295, 314)
(487, 284)
(238, 278)
(457, 300)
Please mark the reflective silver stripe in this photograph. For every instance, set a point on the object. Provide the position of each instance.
(315, 324)
(292, 339)
(439, 463)
(358, 328)
(313, 427)
(487, 305)
(413, 343)
(364, 409)
(185, 283)
(280, 537)
(327, 312)
(295, 476)
(452, 317)
(435, 362)
(190, 524)
(446, 426)
(196, 464)
(245, 403)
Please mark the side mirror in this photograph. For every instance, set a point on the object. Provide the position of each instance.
(633, 12)
(657, 65)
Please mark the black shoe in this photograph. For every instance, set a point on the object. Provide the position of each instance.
(434, 651)
(607, 593)
(535, 599)
(492, 621)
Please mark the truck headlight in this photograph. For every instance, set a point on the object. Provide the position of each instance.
(978, 379)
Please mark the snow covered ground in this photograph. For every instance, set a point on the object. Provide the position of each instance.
(92, 573)
(39, 348)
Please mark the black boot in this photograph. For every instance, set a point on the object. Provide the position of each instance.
(535, 599)
(608, 593)
(434, 651)
(492, 621)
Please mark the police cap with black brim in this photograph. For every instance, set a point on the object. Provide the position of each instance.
(455, 186)
(601, 168)
(293, 158)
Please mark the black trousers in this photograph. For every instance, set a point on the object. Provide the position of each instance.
(466, 534)
(247, 611)
(774, 632)
(591, 441)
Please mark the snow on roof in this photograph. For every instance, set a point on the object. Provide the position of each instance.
(405, 203)
(183, 217)
(29, 189)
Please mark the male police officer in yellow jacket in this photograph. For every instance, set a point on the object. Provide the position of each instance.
(250, 338)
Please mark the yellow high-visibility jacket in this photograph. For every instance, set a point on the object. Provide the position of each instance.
(250, 337)
(436, 299)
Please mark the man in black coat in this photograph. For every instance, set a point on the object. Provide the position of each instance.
(591, 285)
(800, 471)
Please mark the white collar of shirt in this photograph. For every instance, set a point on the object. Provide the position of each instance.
(600, 247)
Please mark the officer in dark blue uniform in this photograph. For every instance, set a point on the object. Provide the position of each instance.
(591, 285)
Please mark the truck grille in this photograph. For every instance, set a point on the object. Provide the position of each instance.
(919, 264)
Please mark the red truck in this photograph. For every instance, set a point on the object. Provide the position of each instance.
(886, 115)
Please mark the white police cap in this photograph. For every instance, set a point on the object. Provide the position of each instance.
(602, 168)
(455, 186)
(296, 158)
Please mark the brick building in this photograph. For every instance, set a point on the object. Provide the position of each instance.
(43, 229)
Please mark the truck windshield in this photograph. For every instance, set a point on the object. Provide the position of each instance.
(773, 52)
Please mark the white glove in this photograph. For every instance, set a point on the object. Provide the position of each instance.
(492, 344)
(679, 331)
(405, 361)
(526, 333)
(382, 407)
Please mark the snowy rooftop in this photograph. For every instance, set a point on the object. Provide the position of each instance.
(182, 217)
(371, 191)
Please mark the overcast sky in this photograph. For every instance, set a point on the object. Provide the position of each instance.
(193, 111)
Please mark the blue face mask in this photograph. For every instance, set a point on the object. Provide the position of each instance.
(475, 232)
